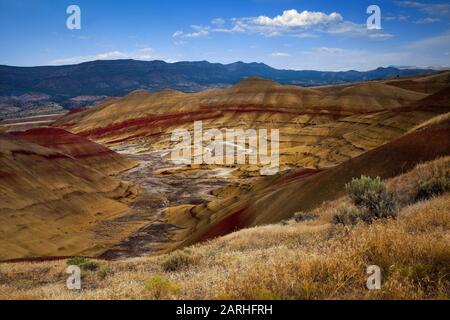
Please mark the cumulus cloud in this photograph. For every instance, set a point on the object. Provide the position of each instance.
(292, 18)
(305, 24)
(141, 54)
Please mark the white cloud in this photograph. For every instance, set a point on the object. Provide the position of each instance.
(440, 42)
(342, 59)
(199, 31)
(141, 54)
(420, 53)
(306, 24)
(305, 35)
(292, 18)
(348, 28)
(280, 54)
(218, 22)
(400, 17)
(427, 20)
(409, 4)
(432, 9)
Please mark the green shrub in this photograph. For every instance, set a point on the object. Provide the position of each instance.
(359, 189)
(76, 261)
(83, 263)
(433, 187)
(371, 194)
(177, 261)
(305, 216)
(161, 287)
(346, 215)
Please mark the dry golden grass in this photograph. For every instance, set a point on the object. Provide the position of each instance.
(435, 121)
(294, 261)
(306, 260)
(405, 186)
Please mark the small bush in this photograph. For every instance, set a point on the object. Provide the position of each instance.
(177, 261)
(89, 266)
(360, 188)
(346, 215)
(372, 195)
(83, 263)
(432, 188)
(76, 261)
(161, 287)
(305, 216)
(103, 271)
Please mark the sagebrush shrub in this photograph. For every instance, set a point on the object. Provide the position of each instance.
(76, 261)
(177, 261)
(305, 216)
(83, 263)
(433, 187)
(372, 195)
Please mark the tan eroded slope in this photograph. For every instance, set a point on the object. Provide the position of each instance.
(50, 203)
(89, 153)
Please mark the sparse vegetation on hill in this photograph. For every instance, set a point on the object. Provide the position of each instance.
(312, 259)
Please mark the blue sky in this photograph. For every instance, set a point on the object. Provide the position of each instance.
(291, 34)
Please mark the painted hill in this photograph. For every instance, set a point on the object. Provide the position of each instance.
(282, 196)
(427, 83)
(320, 127)
(328, 135)
(90, 154)
(50, 202)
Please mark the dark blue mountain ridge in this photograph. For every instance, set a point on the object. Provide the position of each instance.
(119, 77)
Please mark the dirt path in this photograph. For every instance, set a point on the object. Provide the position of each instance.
(157, 192)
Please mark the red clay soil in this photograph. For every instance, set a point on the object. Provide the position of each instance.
(149, 122)
(231, 223)
(66, 142)
(76, 110)
(46, 156)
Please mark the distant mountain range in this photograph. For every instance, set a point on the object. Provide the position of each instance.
(76, 85)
